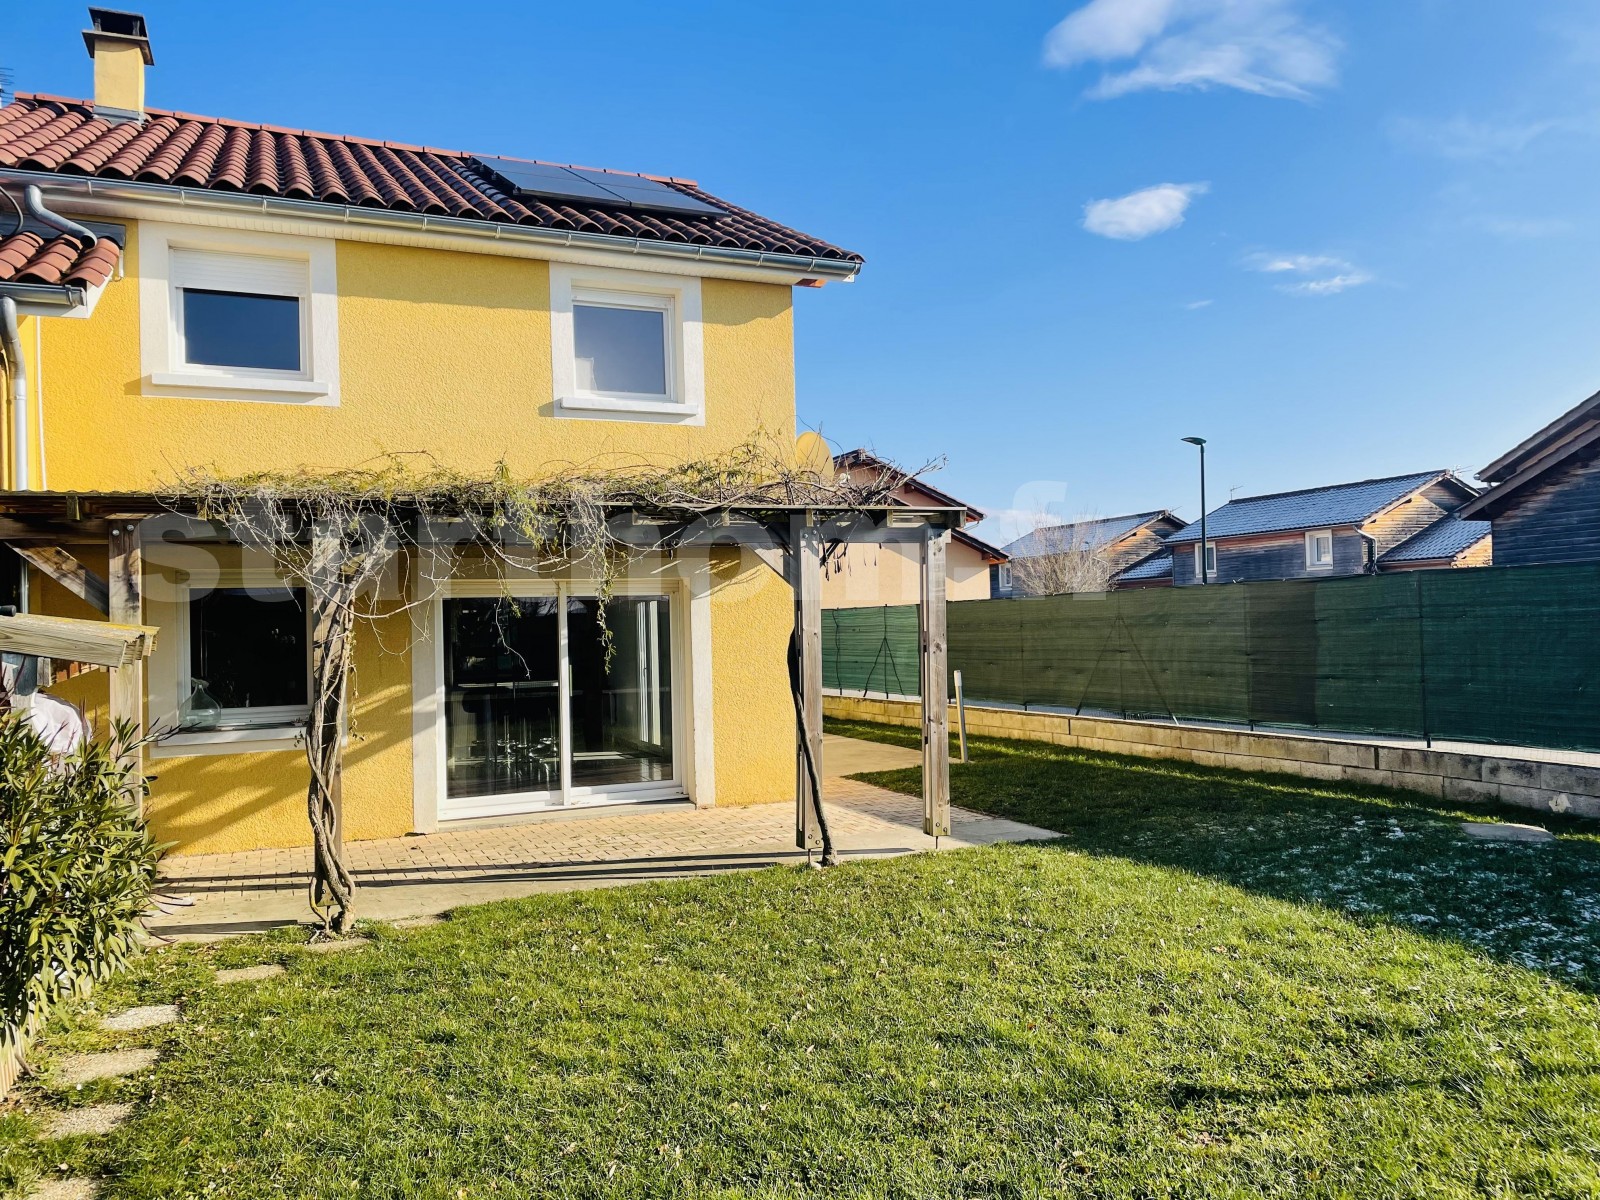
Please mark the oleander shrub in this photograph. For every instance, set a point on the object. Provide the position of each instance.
(77, 870)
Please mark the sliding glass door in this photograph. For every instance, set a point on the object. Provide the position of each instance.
(546, 705)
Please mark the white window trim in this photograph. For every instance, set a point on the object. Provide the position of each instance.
(163, 370)
(687, 581)
(677, 295)
(1311, 541)
(280, 728)
(1199, 569)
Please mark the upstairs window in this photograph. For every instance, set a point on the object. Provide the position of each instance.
(626, 345)
(1319, 549)
(241, 329)
(230, 314)
(239, 311)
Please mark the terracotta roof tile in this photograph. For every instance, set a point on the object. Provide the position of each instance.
(29, 258)
(51, 133)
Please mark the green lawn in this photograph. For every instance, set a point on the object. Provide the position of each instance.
(1215, 985)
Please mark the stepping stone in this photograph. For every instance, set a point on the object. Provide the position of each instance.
(1506, 832)
(145, 1017)
(86, 1068)
(93, 1120)
(66, 1189)
(249, 974)
(338, 946)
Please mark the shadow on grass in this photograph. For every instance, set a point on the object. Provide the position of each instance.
(1375, 853)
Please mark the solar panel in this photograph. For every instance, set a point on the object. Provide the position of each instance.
(541, 179)
(595, 187)
(640, 192)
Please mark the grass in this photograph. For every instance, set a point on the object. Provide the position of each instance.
(1215, 985)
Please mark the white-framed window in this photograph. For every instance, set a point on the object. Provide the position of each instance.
(235, 315)
(1210, 560)
(244, 656)
(1002, 577)
(626, 345)
(1319, 549)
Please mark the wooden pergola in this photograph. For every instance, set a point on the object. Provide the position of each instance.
(50, 529)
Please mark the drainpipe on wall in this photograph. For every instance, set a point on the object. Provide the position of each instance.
(1372, 552)
(17, 371)
(11, 341)
(33, 203)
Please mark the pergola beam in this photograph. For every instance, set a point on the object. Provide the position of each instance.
(805, 577)
(61, 566)
(935, 688)
(125, 606)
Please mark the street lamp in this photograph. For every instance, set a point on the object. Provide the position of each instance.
(1205, 575)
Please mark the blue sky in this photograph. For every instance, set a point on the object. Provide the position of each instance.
(1344, 240)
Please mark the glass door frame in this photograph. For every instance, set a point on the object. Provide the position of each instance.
(565, 796)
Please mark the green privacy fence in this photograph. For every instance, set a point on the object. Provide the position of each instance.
(1500, 654)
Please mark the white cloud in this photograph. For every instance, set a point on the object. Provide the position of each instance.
(1142, 213)
(1193, 305)
(1324, 274)
(1261, 46)
(1523, 228)
(1463, 139)
(1331, 286)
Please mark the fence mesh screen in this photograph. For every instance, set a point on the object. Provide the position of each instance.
(1500, 654)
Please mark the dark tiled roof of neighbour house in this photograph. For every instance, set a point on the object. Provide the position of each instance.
(27, 257)
(1156, 566)
(1312, 508)
(1083, 535)
(1447, 537)
(47, 133)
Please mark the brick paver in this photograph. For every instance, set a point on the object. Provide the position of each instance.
(418, 876)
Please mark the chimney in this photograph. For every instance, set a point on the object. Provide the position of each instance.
(119, 43)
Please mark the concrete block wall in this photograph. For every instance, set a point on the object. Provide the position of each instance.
(1464, 778)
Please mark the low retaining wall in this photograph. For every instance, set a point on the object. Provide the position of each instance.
(1468, 778)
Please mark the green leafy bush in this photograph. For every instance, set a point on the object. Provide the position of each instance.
(77, 869)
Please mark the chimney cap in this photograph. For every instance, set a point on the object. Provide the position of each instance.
(118, 25)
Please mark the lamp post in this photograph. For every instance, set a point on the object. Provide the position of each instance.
(1205, 575)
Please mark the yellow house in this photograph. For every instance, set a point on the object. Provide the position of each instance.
(869, 575)
(190, 292)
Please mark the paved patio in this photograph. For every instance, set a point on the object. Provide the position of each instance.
(427, 874)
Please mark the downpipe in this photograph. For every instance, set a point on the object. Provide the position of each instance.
(11, 339)
(17, 372)
(33, 205)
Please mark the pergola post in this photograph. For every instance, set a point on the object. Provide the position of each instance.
(935, 687)
(804, 561)
(125, 606)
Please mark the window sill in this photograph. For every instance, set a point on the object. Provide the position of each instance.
(250, 740)
(609, 404)
(238, 387)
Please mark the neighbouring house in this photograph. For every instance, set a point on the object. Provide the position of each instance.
(865, 575)
(195, 292)
(1543, 501)
(1319, 533)
(1451, 541)
(1088, 555)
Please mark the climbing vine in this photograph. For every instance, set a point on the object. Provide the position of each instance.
(338, 531)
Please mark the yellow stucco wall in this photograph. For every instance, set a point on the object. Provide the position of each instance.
(440, 351)
(867, 575)
(447, 353)
(752, 614)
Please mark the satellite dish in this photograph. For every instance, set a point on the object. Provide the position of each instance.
(811, 454)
